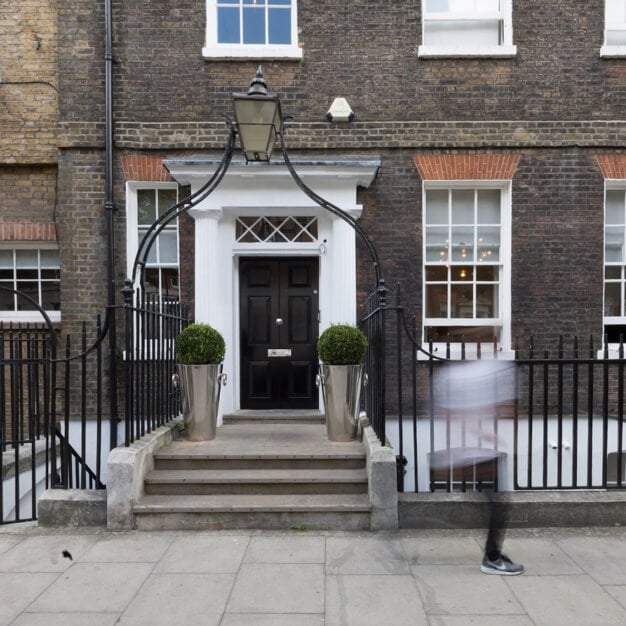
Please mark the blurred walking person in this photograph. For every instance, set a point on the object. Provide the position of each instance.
(470, 396)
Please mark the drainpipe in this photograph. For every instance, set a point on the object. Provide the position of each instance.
(109, 207)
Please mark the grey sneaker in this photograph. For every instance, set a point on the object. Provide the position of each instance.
(502, 566)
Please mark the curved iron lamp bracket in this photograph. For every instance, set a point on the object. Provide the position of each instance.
(335, 210)
(181, 207)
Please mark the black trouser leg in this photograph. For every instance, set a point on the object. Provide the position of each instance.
(498, 515)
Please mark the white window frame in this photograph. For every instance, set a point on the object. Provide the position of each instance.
(29, 316)
(213, 49)
(612, 50)
(132, 223)
(505, 50)
(504, 349)
(132, 238)
(613, 347)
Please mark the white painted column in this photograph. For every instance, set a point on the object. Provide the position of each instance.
(343, 279)
(207, 275)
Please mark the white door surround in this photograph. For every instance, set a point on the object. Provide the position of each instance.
(250, 189)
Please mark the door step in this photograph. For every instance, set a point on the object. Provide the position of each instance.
(257, 475)
(275, 417)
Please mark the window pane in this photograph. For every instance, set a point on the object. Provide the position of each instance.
(462, 300)
(6, 259)
(614, 244)
(615, 206)
(489, 206)
(462, 244)
(168, 247)
(460, 33)
(26, 274)
(7, 298)
(51, 296)
(486, 273)
(488, 244)
(437, 6)
(26, 259)
(146, 206)
(436, 273)
(167, 199)
(437, 244)
(612, 272)
(612, 299)
(436, 301)
(486, 301)
(462, 273)
(436, 206)
(463, 206)
(254, 25)
(30, 288)
(280, 26)
(49, 259)
(169, 282)
(228, 25)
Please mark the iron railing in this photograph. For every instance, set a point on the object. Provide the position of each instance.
(565, 430)
(55, 410)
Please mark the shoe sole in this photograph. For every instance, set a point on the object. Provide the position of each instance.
(499, 572)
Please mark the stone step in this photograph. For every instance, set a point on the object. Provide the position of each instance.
(274, 417)
(315, 512)
(245, 481)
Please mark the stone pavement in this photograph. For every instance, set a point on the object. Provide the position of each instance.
(302, 578)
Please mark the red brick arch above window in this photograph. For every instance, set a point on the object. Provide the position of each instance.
(466, 166)
(28, 231)
(145, 168)
(612, 165)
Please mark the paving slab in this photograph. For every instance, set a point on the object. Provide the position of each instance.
(291, 549)
(618, 592)
(566, 600)
(93, 587)
(373, 600)
(541, 557)
(603, 558)
(45, 553)
(360, 553)
(442, 550)
(129, 548)
(463, 590)
(186, 599)
(204, 553)
(18, 590)
(278, 588)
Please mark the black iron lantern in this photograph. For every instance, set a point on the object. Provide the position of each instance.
(257, 118)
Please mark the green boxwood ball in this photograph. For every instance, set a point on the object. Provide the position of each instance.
(198, 344)
(342, 344)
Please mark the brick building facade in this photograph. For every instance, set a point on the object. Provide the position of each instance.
(516, 114)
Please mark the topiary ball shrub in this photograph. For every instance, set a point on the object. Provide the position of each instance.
(200, 344)
(342, 344)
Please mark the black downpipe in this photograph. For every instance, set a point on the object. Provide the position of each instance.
(109, 207)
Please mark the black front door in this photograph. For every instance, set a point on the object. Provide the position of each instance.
(278, 300)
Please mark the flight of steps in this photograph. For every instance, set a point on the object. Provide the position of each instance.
(272, 473)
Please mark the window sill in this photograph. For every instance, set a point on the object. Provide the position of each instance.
(251, 52)
(434, 52)
(471, 353)
(612, 52)
(29, 317)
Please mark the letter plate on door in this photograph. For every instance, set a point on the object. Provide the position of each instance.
(274, 352)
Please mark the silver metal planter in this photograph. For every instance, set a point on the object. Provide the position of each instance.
(341, 390)
(200, 388)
